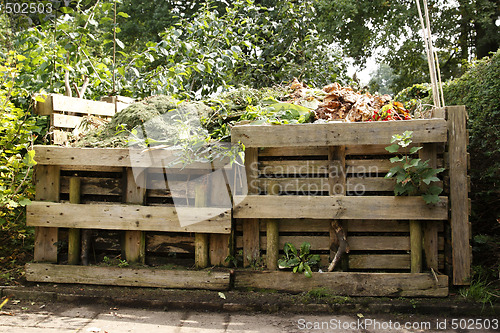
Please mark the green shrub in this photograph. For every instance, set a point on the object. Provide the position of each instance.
(17, 130)
(478, 89)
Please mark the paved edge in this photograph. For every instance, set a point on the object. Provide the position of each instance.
(375, 307)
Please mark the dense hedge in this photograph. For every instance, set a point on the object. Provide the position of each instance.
(479, 91)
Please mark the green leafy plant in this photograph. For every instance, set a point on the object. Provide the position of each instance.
(235, 259)
(299, 261)
(412, 173)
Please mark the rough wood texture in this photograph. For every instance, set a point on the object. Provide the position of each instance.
(65, 121)
(251, 244)
(430, 229)
(272, 235)
(336, 134)
(126, 217)
(60, 103)
(339, 207)
(111, 157)
(457, 149)
(114, 276)
(201, 239)
(219, 244)
(416, 246)
(356, 243)
(47, 184)
(74, 237)
(135, 241)
(348, 283)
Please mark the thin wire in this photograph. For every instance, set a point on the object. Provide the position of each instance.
(439, 77)
(431, 50)
(426, 45)
(114, 52)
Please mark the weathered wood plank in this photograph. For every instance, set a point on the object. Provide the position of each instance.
(201, 239)
(318, 225)
(351, 150)
(219, 244)
(251, 244)
(335, 134)
(47, 184)
(65, 121)
(74, 237)
(380, 261)
(356, 243)
(319, 168)
(416, 239)
(166, 243)
(114, 276)
(348, 283)
(272, 235)
(430, 230)
(127, 217)
(457, 149)
(112, 157)
(95, 186)
(78, 105)
(134, 245)
(339, 207)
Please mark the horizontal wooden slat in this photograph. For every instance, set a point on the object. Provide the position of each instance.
(356, 243)
(128, 217)
(65, 121)
(379, 261)
(113, 157)
(115, 276)
(171, 243)
(95, 185)
(83, 106)
(313, 225)
(320, 167)
(348, 283)
(339, 207)
(350, 150)
(336, 134)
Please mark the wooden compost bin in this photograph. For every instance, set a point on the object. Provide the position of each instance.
(124, 197)
(302, 177)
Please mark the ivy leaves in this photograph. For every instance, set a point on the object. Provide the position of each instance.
(413, 176)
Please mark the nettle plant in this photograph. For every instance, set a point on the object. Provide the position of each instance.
(299, 261)
(412, 173)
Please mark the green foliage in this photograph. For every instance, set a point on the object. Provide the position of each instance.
(17, 133)
(478, 91)
(298, 260)
(482, 288)
(412, 173)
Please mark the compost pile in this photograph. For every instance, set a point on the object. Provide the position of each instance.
(337, 103)
(165, 120)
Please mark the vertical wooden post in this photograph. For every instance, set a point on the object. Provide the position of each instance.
(337, 186)
(74, 236)
(430, 228)
(47, 186)
(135, 241)
(200, 240)
(272, 232)
(460, 233)
(219, 244)
(416, 246)
(251, 228)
